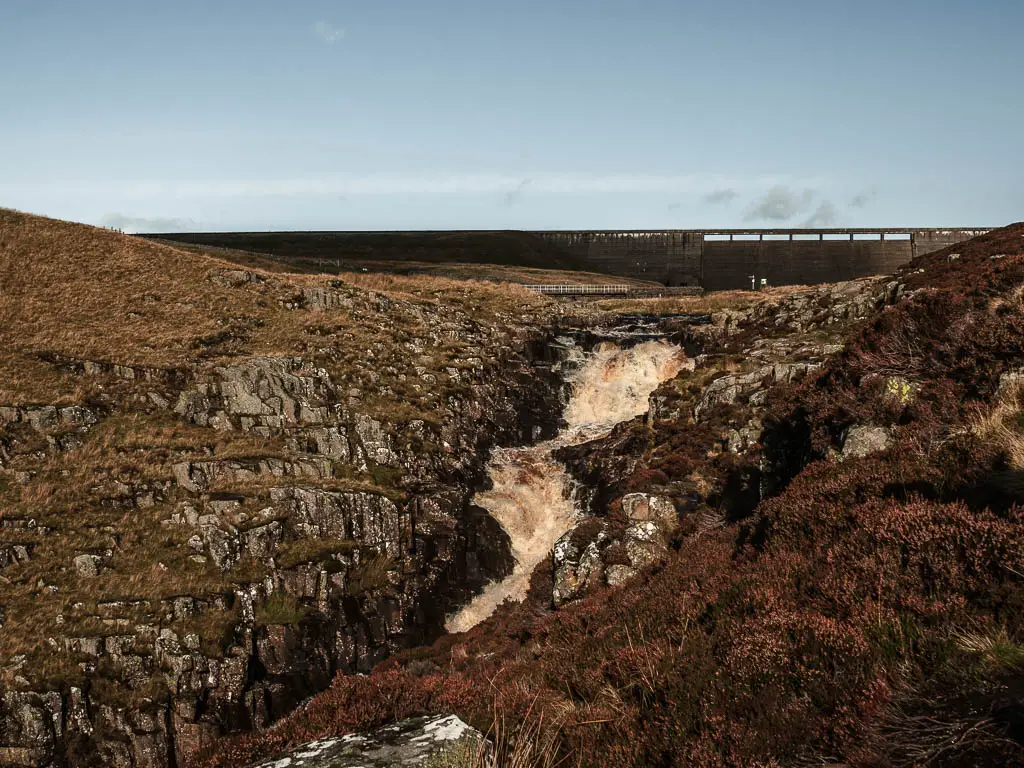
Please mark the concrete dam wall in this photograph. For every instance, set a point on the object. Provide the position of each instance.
(727, 258)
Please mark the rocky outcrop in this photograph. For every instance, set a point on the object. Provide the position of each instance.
(338, 535)
(762, 325)
(740, 356)
(750, 388)
(864, 440)
(43, 417)
(261, 395)
(823, 306)
(585, 558)
(45, 428)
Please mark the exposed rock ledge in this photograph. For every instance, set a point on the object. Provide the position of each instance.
(364, 571)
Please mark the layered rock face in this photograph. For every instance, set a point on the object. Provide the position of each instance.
(310, 534)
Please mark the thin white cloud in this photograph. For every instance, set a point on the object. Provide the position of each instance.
(862, 199)
(384, 184)
(721, 196)
(512, 196)
(134, 224)
(328, 33)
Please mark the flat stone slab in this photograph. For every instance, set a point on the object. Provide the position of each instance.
(864, 440)
(428, 742)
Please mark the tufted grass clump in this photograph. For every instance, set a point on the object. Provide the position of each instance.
(994, 648)
(465, 752)
(282, 609)
(1003, 425)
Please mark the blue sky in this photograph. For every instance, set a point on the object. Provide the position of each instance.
(413, 114)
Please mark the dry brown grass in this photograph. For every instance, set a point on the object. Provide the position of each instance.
(716, 301)
(994, 647)
(27, 379)
(89, 293)
(1003, 425)
(85, 291)
(439, 287)
(504, 274)
(1013, 301)
(508, 745)
(249, 259)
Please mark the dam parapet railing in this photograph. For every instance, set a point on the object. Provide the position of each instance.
(721, 259)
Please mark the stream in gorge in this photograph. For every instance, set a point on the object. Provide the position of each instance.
(531, 494)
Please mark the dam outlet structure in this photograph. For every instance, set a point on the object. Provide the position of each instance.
(531, 494)
(729, 259)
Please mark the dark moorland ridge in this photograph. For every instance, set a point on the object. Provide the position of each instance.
(712, 259)
(507, 248)
(844, 583)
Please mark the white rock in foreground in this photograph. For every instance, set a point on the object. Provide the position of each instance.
(863, 441)
(440, 740)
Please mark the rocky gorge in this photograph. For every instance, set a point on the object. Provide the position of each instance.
(805, 551)
(555, 499)
(191, 550)
(317, 538)
(326, 523)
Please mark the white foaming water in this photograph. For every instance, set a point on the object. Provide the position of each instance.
(615, 383)
(531, 495)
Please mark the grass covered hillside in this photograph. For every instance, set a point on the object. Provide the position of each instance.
(89, 293)
(845, 582)
(219, 486)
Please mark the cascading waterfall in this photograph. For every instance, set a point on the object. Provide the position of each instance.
(530, 493)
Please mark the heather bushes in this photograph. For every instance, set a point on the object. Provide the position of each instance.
(719, 659)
